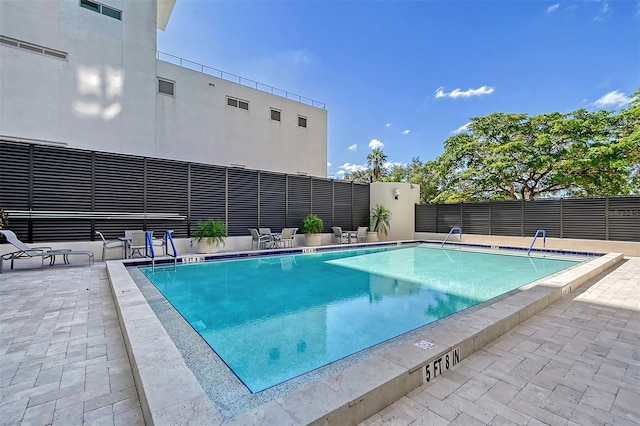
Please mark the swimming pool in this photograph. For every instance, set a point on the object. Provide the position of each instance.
(273, 318)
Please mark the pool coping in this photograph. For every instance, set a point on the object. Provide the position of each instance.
(170, 393)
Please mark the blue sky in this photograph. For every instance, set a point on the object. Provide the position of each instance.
(405, 76)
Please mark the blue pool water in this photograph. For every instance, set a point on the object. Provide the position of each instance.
(273, 318)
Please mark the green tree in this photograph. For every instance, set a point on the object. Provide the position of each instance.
(515, 156)
(363, 176)
(376, 161)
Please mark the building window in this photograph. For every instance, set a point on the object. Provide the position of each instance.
(8, 41)
(237, 103)
(302, 121)
(101, 8)
(166, 86)
(275, 115)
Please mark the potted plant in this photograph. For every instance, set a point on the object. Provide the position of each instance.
(312, 226)
(379, 220)
(210, 235)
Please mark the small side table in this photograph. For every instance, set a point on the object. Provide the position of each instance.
(63, 252)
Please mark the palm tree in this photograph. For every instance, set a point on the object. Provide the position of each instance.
(375, 160)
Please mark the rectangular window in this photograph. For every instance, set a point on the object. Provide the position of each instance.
(275, 115)
(166, 86)
(101, 8)
(238, 103)
(302, 121)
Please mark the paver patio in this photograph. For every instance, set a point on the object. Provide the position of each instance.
(63, 359)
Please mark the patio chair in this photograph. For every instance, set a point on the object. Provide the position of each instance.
(288, 237)
(360, 236)
(138, 243)
(342, 237)
(25, 252)
(109, 244)
(259, 240)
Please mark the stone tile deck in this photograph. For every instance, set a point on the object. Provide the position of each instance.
(62, 355)
(63, 360)
(577, 362)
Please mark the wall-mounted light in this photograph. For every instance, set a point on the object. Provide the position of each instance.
(396, 193)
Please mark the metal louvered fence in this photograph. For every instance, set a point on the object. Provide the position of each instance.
(608, 218)
(64, 194)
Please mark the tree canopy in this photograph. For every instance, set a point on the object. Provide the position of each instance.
(518, 156)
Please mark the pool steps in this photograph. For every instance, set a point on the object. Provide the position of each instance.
(170, 394)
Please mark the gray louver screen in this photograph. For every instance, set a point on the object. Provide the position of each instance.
(342, 205)
(426, 217)
(624, 218)
(167, 190)
(448, 217)
(208, 193)
(578, 218)
(323, 201)
(62, 181)
(14, 184)
(506, 218)
(360, 205)
(542, 214)
(475, 218)
(272, 201)
(243, 201)
(299, 200)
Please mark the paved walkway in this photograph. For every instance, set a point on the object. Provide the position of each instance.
(575, 363)
(62, 355)
(63, 361)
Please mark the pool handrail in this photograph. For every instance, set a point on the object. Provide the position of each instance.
(535, 237)
(458, 228)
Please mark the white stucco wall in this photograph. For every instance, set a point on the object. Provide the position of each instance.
(403, 212)
(197, 125)
(104, 96)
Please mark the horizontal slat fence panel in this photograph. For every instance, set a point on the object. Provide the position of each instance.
(342, 214)
(361, 202)
(624, 218)
(584, 218)
(112, 229)
(55, 230)
(119, 183)
(167, 191)
(506, 218)
(273, 207)
(542, 214)
(476, 218)
(426, 217)
(322, 203)
(208, 193)
(448, 217)
(243, 201)
(14, 176)
(61, 179)
(299, 200)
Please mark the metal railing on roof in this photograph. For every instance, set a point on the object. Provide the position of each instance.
(185, 63)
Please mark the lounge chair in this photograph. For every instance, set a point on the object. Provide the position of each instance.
(342, 237)
(25, 252)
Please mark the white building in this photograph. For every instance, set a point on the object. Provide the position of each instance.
(84, 74)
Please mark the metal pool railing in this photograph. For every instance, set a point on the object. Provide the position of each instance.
(185, 63)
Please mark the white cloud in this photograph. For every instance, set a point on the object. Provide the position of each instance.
(604, 11)
(340, 172)
(328, 164)
(375, 143)
(461, 129)
(348, 167)
(553, 8)
(406, 132)
(353, 147)
(388, 165)
(615, 99)
(388, 125)
(457, 93)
